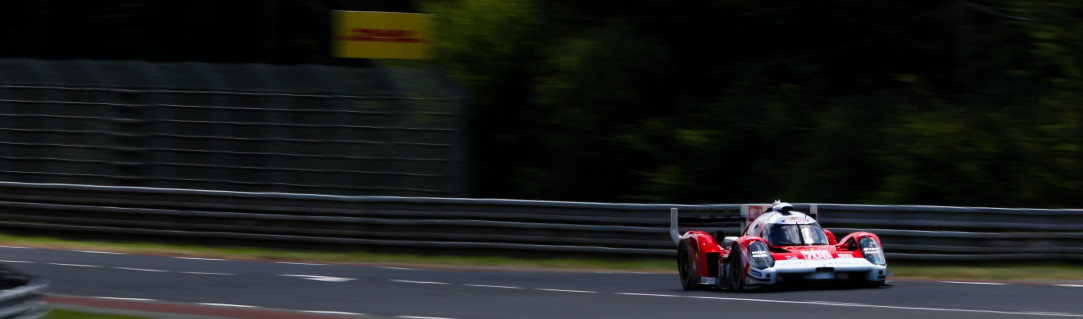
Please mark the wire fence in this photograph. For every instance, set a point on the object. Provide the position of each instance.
(245, 127)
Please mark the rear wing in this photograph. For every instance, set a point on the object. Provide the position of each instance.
(749, 213)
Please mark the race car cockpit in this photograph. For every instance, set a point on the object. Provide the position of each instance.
(795, 235)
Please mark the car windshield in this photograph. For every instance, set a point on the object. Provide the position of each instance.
(793, 234)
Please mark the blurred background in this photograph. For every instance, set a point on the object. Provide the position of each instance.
(700, 101)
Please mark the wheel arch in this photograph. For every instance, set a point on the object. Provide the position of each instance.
(702, 246)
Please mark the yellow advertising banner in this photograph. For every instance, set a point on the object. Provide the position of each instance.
(381, 35)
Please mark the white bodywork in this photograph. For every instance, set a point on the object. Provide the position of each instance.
(809, 269)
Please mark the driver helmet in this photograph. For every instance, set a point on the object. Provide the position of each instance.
(781, 206)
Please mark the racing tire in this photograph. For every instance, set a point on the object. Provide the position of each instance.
(684, 266)
(737, 269)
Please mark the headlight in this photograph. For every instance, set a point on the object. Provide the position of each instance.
(760, 256)
(872, 252)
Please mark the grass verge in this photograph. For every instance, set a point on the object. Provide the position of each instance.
(988, 271)
(355, 257)
(68, 314)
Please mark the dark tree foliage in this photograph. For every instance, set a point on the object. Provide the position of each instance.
(884, 101)
(874, 101)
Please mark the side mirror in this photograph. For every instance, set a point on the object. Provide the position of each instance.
(830, 237)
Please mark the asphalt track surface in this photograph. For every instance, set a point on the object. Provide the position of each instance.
(317, 290)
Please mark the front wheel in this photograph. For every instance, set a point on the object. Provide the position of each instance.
(684, 266)
(737, 270)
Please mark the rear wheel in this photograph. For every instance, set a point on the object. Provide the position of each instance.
(684, 266)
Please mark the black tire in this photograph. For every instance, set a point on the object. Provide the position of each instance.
(684, 267)
(737, 276)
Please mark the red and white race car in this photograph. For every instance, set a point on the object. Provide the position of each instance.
(777, 246)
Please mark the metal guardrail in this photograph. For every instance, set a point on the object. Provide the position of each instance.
(21, 297)
(439, 224)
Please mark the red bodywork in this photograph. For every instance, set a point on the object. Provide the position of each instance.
(710, 255)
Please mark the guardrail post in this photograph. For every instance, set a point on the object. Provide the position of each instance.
(673, 232)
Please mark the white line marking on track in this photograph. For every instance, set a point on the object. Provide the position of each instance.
(642, 294)
(207, 273)
(197, 258)
(74, 265)
(320, 278)
(493, 286)
(98, 252)
(293, 263)
(420, 317)
(14, 247)
(325, 312)
(1070, 285)
(225, 305)
(838, 304)
(127, 299)
(397, 268)
(566, 290)
(833, 303)
(419, 282)
(140, 269)
(975, 283)
(1044, 313)
(747, 299)
(17, 262)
